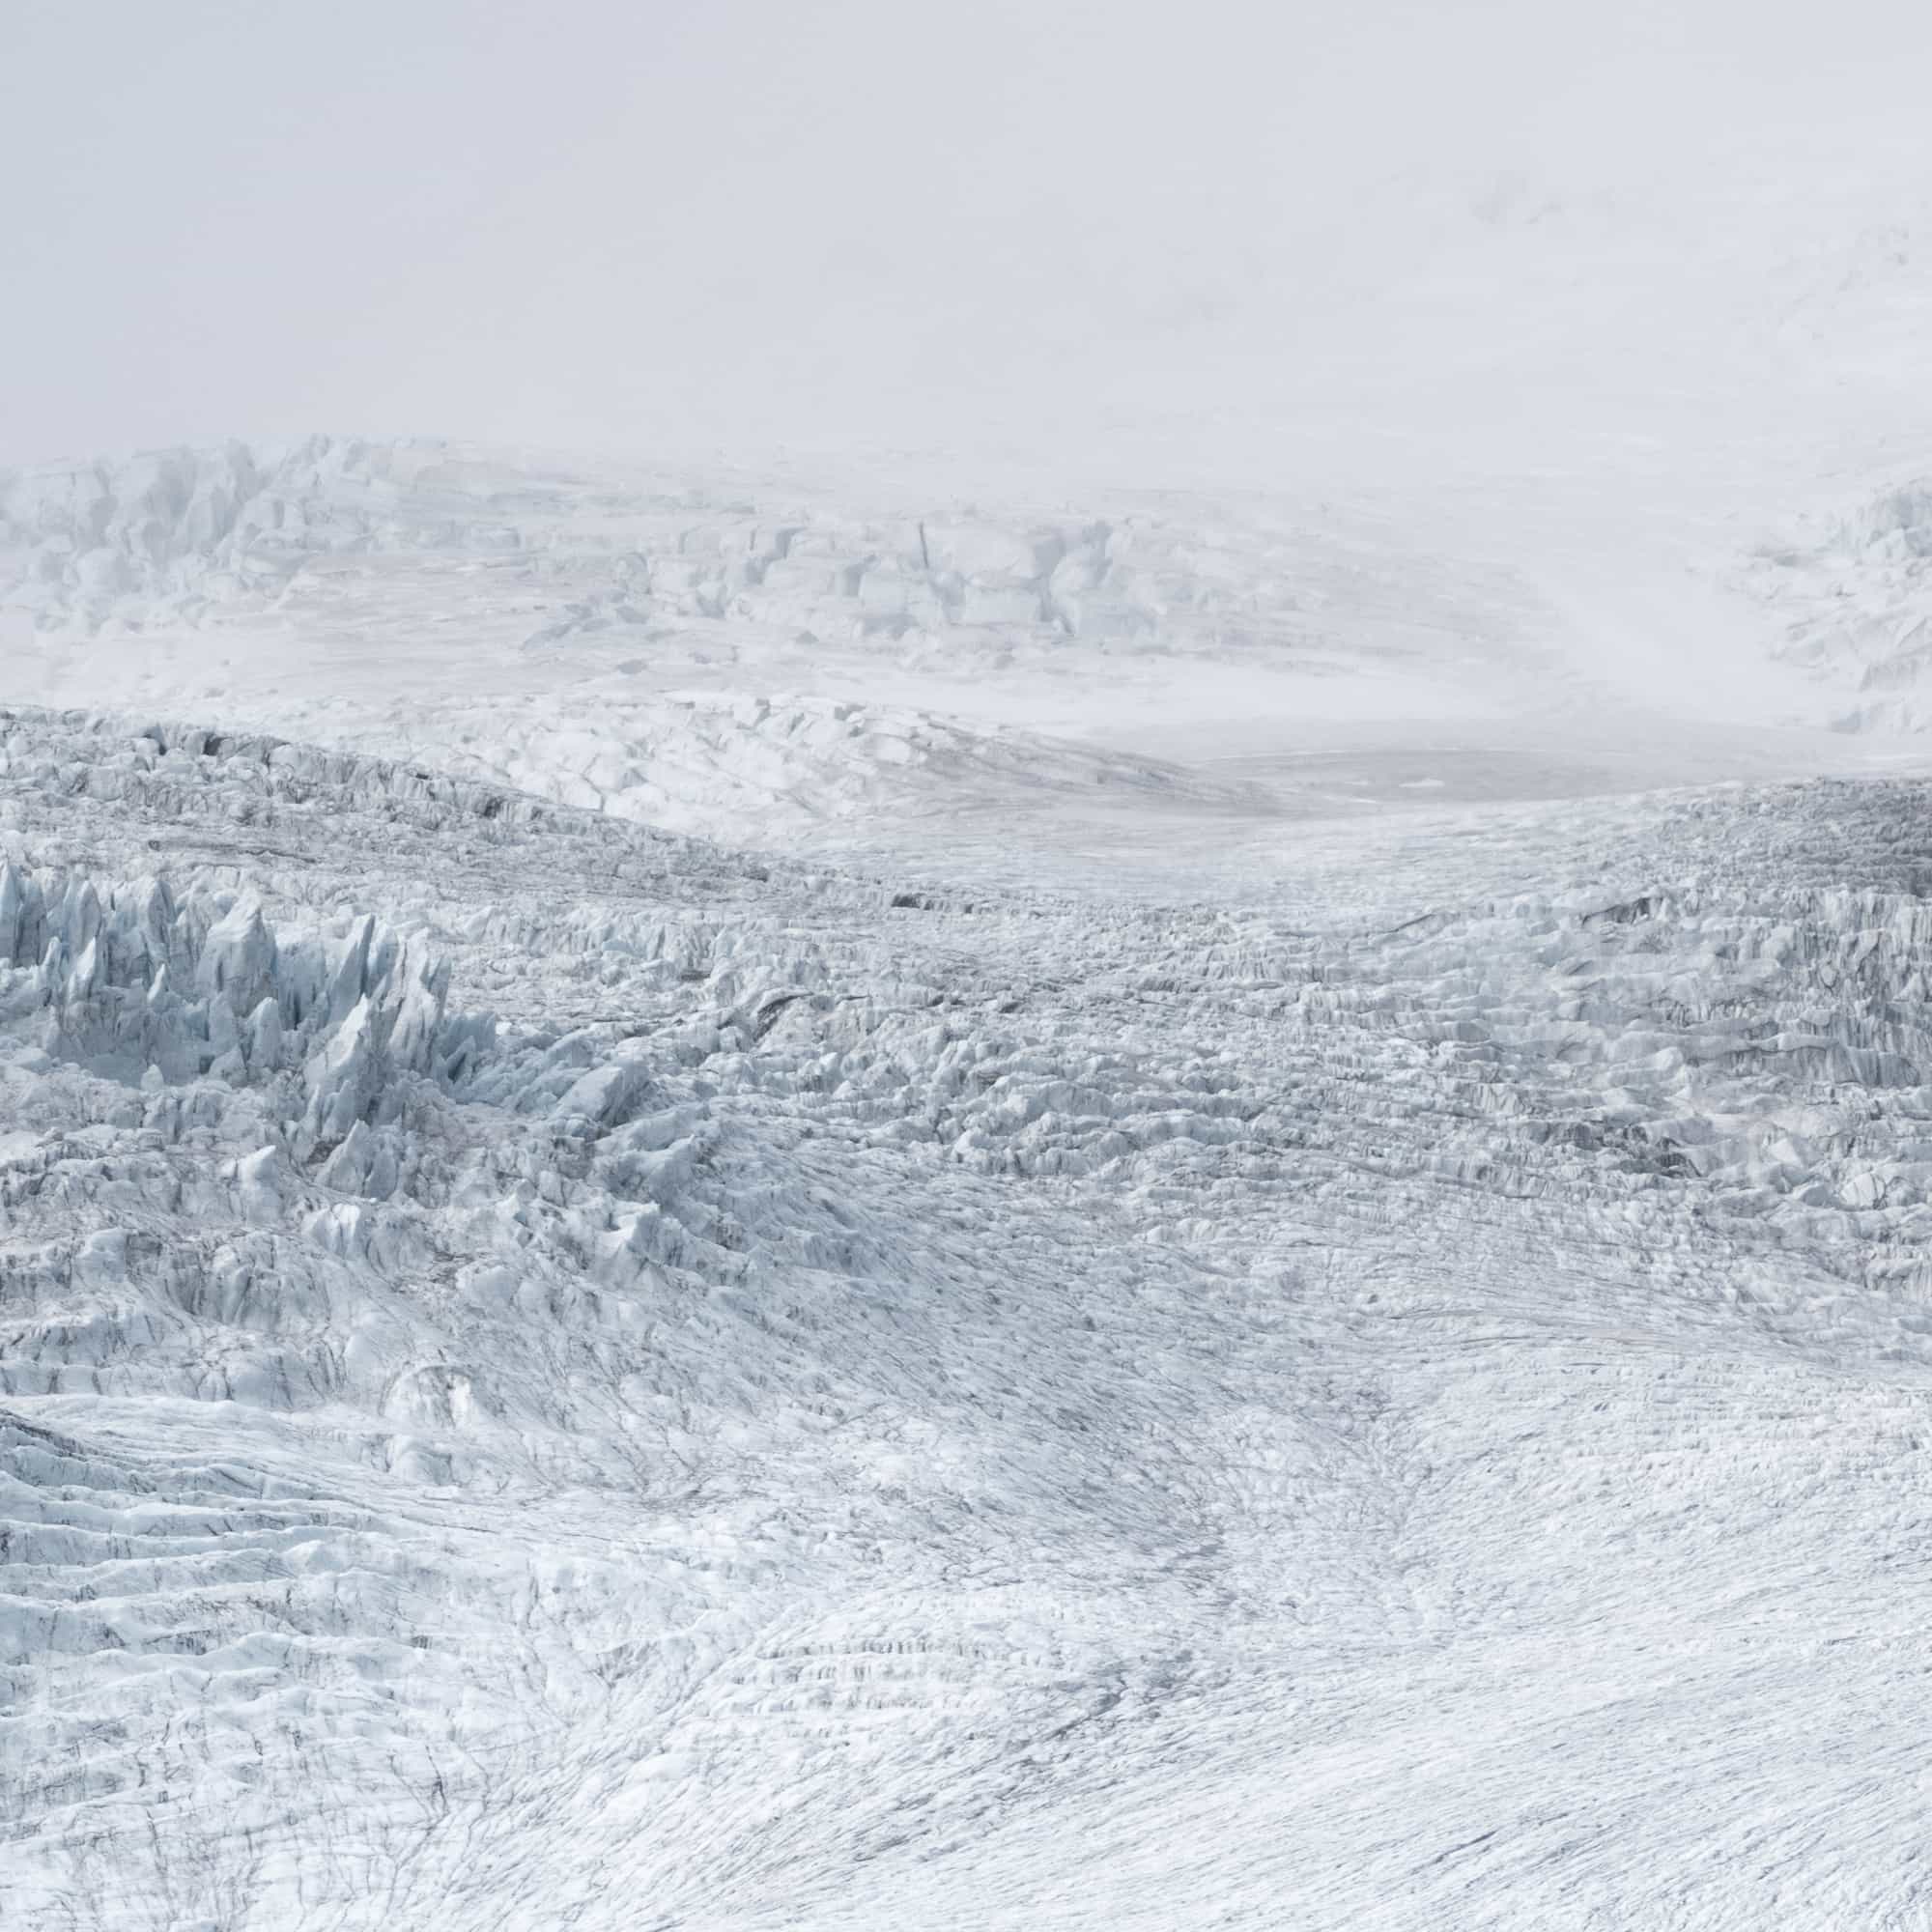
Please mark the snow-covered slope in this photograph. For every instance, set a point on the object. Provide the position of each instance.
(553, 1373)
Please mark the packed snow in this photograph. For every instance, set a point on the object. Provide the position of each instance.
(720, 1207)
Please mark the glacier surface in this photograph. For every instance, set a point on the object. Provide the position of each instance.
(669, 1257)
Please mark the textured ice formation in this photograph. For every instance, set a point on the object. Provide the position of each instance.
(378, 561)
(186, 535)
(550, 1371)
(1855, 603)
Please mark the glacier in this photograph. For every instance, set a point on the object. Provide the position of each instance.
(672, 1257)
(966, 972)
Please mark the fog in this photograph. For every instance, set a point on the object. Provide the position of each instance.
(1152, 243)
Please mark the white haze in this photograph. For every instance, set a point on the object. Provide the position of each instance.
(1149, 245)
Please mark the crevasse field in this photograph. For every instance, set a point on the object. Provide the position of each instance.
(1113, 1114)
(724, 1209)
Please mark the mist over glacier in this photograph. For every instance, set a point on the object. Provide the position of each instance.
(965, 969)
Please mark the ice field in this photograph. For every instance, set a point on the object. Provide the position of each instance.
(966, 969)
(633, 1303)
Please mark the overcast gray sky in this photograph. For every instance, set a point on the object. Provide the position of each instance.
(857, 224)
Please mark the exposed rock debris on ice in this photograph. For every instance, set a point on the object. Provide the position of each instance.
(553, 1373)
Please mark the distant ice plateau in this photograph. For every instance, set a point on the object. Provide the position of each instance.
(758, 657)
